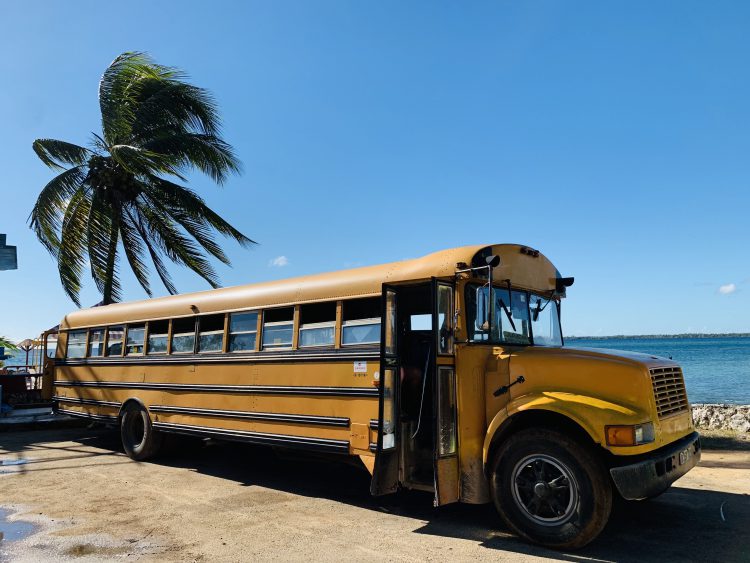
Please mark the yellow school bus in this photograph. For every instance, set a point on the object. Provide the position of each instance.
(445, 373)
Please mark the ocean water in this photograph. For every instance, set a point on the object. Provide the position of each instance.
(717, 370)
(17, 358)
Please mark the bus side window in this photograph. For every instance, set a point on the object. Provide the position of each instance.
(76, 344)
(211, 333)
(158, 333)
(115, 334)
(317, 324)
(361, 322)
(243, 330)
(96, 343)
(134, 340)
(183, 335)
(278, 328)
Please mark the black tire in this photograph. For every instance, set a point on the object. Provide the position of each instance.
(550, 489)
(139, 439)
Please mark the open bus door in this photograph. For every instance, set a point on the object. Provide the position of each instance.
(385, 473)
(47, 362)
(444, 395)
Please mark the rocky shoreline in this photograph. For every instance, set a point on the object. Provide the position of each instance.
(709, 416)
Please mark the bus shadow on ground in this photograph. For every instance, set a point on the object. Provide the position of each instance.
(682, 524)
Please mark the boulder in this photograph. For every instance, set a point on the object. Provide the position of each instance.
(722, 417)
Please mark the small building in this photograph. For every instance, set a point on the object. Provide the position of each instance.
(8, 256)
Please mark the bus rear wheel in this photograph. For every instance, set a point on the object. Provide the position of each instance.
(139, 439)
(550, 489)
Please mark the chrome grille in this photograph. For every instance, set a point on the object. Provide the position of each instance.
(669, 391)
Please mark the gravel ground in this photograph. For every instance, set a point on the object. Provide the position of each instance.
(225, 502)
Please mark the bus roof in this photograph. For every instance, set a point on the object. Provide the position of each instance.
(525, 267)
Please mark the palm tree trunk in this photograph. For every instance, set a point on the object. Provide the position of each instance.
(111, 255)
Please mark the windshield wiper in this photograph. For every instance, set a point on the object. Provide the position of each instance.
(507, 314)
(539, 308)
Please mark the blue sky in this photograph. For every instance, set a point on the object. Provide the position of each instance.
(611, 136)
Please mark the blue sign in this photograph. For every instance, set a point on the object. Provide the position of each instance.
(8, 256)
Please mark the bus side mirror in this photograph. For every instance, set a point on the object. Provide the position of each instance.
(482, 301)
(562, 283)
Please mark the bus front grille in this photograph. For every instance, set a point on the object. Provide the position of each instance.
(669, 391)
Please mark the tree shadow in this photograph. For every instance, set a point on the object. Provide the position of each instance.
(21, 451)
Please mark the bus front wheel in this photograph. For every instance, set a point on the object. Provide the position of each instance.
(550, 489)
(139, 439)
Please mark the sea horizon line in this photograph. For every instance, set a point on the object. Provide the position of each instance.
(654, 336)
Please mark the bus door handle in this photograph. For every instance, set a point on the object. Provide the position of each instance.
(505, 388)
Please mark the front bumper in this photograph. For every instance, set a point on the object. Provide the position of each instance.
(656, 471)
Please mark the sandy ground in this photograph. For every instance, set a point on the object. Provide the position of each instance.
(227, 502)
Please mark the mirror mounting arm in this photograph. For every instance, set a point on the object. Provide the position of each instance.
(491, 302)
(491, 262)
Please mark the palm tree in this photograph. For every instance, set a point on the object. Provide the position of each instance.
(8, 346)
(120, 192)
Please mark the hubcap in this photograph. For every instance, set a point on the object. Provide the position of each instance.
(544, 489)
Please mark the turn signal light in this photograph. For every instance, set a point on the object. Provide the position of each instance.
(629, 435)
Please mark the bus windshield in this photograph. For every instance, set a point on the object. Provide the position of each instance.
(518, 317)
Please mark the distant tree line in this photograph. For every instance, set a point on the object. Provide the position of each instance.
(657, 336)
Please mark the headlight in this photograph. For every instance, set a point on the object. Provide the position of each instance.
(634, 435)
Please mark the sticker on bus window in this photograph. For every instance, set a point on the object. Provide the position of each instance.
(360, 367)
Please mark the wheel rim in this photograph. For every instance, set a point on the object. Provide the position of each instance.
(544, 489)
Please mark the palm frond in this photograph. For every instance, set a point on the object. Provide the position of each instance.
(181, 198)
(175, 245)
(140, 161)
(161, 270)
(176, 106)
(56, 153)
(195, 226)
(7, 344)
(112, 288)
(210, 154)
(119, 92)
(98, 143)
(72, 254)
(133, 245)
(100, 233)
(46, 216)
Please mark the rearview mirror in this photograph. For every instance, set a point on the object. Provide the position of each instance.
(482, 300)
